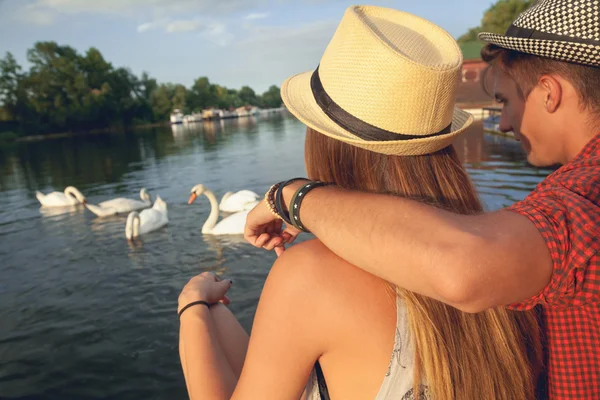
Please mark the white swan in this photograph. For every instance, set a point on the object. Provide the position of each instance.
(238, 201)
(70, 197)
(231, 225)
(120, 205)
(234, 202)
(147, 220)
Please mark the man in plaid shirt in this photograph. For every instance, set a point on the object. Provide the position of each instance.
(544, 250)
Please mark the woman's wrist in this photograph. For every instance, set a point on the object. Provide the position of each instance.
(195, 313)
(185, 301)
(288, 192)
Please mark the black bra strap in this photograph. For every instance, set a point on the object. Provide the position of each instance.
(322, 384)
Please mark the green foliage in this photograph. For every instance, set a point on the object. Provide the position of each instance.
(247, 95)
(470, 36)
(272, 97)
(498, 18)
(66, 91)
(8, 137)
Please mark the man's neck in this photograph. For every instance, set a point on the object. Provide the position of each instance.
(580, 136)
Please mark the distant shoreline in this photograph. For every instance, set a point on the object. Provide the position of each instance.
(35, 138)
(59, 135)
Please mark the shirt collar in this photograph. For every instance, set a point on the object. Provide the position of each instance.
(591, 148)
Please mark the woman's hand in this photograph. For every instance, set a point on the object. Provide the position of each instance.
(206, 287)
(263, 229)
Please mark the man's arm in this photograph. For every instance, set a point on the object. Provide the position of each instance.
(470, 262)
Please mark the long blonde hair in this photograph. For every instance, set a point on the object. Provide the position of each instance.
(492, 355)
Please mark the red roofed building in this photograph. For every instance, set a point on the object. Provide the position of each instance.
(470, 93)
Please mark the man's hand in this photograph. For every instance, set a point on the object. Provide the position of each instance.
(263, 229)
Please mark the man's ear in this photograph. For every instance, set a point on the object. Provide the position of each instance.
(552, 91)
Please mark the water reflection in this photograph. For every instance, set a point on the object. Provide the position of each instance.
(475, 148)
(56, 211)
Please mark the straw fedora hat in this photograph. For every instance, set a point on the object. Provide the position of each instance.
(564, 30)
(386, 83)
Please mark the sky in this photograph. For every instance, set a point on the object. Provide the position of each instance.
(258, 43)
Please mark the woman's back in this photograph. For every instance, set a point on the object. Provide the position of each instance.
(370, 350)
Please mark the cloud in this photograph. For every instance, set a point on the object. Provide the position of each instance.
(216, 32)
(270, 54)
(33, 14)
(317, 33)
(146, 7)
(183, 26)
(254, 16)
(148, 26)
(170, 16)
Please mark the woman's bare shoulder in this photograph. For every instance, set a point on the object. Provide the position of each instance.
(315, 261)
(329, 283)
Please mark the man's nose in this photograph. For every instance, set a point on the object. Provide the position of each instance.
(504, 125)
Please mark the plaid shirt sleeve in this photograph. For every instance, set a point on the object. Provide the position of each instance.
(569, 223)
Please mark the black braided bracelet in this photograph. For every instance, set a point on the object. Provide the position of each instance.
(193, 303)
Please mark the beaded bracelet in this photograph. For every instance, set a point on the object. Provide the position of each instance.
(297, 202)
(284, 215)
(270, 199)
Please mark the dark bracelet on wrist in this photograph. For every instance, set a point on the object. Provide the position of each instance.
(194, 303)
(297, 202)
(279, 201)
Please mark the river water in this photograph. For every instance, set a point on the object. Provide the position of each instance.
(86, 315)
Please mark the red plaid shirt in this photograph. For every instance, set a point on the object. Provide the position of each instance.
(565, 208)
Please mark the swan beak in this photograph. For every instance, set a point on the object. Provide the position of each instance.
(192, 198)
(84, 202)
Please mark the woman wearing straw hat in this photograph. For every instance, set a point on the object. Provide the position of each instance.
(381, 118)
(543, 250)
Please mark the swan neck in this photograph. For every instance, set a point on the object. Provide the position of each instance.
(211, 221)
(136, 225)
(74, 192)
(132, 229)
(145, 196)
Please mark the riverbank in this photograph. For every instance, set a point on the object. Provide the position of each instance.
(11, 137)
(34, 138)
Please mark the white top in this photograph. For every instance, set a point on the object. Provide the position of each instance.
(398, 381)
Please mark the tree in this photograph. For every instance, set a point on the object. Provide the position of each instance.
(272, 97)
(161, 103)
(247, 95)
(67, 91)
(53, 74)
(498, 18)
(179, 98)
(11, 94)
(202, 94)
(148, 85)
(234, 98)
(470, 36)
